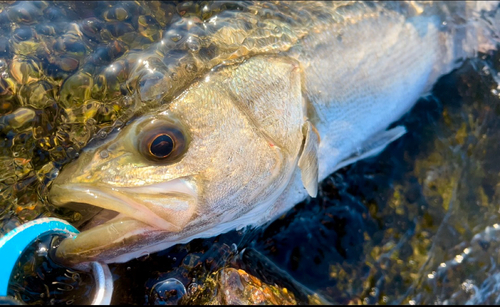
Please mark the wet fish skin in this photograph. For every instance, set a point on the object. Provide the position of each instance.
(262, 131)
(219, 132)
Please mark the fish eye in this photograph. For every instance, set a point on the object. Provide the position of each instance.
(162, 142)
(161, 146)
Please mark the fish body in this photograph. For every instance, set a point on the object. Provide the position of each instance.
(283, 102)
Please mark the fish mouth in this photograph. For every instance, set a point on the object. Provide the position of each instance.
(133, 212)
(139, 203)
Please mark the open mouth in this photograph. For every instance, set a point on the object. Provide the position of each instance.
(139, 203)
(125, 212)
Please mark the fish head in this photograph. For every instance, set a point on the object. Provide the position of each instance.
(224, 149)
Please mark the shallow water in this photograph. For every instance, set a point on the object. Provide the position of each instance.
(417, 224)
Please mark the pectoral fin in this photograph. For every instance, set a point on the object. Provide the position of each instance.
(374, 145)
(308, 161)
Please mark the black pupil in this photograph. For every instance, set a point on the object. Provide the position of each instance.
(162, 146)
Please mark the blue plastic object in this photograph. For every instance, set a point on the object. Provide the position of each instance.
(16, 241)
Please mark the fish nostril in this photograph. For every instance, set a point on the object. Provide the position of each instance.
(72, 170)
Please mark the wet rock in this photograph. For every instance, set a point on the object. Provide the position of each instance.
(236, 287)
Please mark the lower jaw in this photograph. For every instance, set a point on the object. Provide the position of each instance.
(103, 241)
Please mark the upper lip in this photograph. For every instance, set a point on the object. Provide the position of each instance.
(120, 199)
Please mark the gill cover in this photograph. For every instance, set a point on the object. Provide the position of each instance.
(277, 119)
